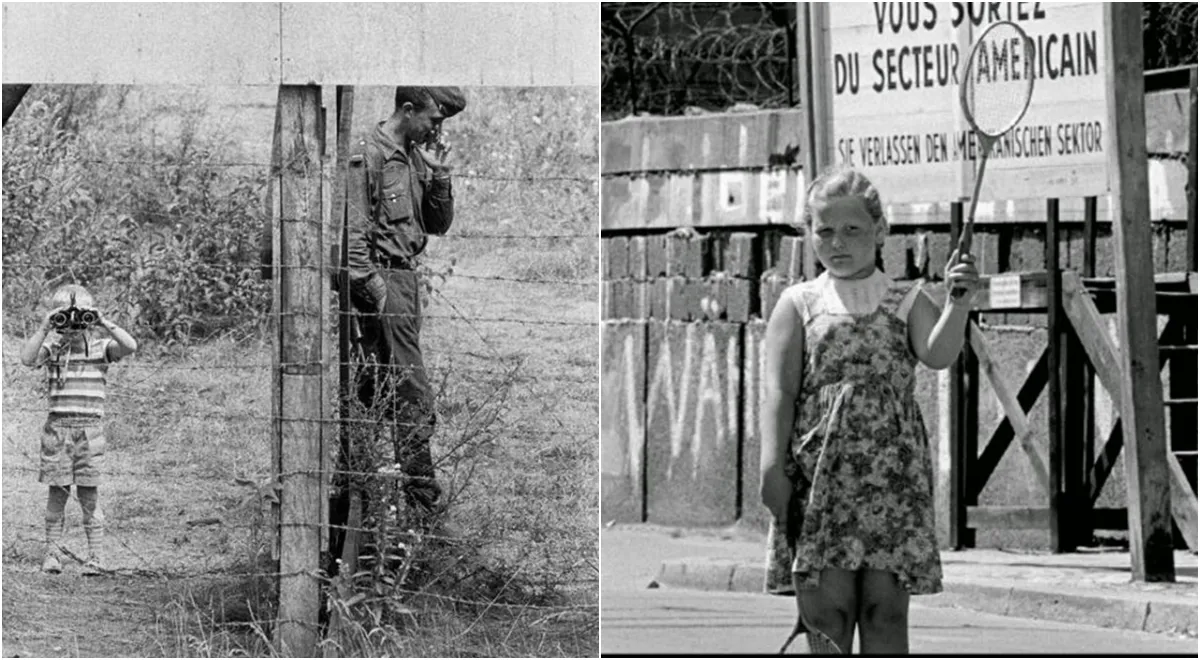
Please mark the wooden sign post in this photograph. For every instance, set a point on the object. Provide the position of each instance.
(1146, 472)
(811, 21)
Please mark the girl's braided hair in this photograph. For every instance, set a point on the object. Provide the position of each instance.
(843, 181)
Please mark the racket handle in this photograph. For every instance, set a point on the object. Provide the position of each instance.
(964, 247)
(964, 240)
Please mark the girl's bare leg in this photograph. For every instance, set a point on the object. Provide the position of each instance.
(882, 614)
(832, 609)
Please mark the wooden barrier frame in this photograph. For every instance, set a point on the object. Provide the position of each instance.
(1138, 389)
(1082, 481)
(1105, 358)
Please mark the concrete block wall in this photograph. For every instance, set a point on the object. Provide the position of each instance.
(686, 275)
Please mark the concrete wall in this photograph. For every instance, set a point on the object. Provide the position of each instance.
(302, 43)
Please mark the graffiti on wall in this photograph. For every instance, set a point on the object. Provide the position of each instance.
(693, 392)
(621, 403)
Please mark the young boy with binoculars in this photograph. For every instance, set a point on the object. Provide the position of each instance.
(73, 442)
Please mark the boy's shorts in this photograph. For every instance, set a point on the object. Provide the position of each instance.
(72, 454)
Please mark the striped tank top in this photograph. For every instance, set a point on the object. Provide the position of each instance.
(77, 378)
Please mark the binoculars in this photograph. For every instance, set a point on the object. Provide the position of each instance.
(74, 318)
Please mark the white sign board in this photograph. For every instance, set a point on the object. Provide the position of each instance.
(892, 73)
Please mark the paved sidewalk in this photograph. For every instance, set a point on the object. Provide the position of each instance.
(1091, 587)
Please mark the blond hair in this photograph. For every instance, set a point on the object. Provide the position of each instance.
(842, 181)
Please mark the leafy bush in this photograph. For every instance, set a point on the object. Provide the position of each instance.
(164, 234)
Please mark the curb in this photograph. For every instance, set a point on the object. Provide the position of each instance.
(1176, 615)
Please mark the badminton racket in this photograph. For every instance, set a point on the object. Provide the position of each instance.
(994, 91)
(818, 642)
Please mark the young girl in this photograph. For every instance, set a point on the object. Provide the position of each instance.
(73, 442)
(845, 459)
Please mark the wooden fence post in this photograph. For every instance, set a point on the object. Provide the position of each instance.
(1087, 377)
(1146, 474)
(299, 378)
(815, 97)
(963, 436)
(1191, 170)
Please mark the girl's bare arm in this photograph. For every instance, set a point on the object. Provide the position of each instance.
(784, 358)
(936, 335)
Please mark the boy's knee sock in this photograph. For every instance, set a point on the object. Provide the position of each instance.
(93, 518)
(56, 505)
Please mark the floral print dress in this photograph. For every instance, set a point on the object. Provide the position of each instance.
(859, 458)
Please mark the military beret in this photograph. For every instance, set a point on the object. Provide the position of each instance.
(449, 99)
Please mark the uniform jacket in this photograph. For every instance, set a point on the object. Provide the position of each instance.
(407, 203)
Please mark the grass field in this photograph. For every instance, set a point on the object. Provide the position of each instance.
(511, 340)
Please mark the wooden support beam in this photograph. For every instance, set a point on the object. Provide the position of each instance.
(345, 545)
(269, 270)
(1075, 427)
(1191, 172)
(811, 20)
(963, 447)
(329, 316)
(1024, 517)
(301, 288)
(1022, 429)
(1104, 463)
(268, 245)
(1032, 286)
(1183, 502)
(1090, 327)
(1059, 519)
(1181, 362)
(1087, 386)
(1002, 436)
(1146, 474)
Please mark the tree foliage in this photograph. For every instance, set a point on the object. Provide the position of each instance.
(164, 233)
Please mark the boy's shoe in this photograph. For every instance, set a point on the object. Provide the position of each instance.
(51, 564)
(92, 567)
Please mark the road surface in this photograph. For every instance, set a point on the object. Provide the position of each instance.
(636, 620)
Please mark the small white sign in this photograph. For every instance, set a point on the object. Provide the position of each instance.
(1004, 291)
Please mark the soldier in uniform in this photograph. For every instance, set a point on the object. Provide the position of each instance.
(410, 197)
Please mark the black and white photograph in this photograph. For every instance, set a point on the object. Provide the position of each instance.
(598, 329)
(899, 328)
(300, 330)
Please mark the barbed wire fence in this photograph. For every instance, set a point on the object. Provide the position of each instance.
(477, 372)
(674, 58)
